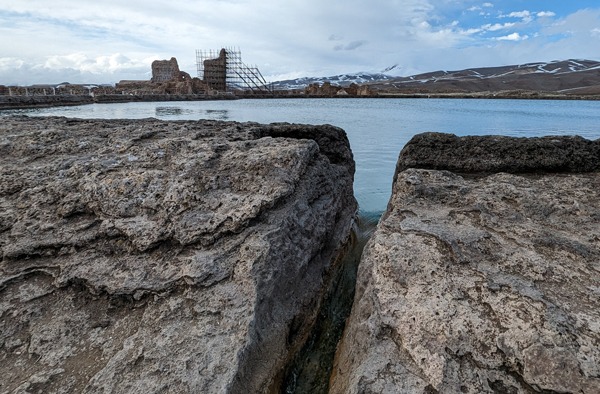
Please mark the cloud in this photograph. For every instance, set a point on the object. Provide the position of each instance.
(279, 37)
(526, 16)
(520, 14)
(10, 63)
(578, 24)
(74, 68)
(480, 8)
(96, 65)
(111, 40)
(350, 46)
(512, 37)
(497, 26)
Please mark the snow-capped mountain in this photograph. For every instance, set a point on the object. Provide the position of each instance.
(342, 80)
(557, 76)
(565, 76)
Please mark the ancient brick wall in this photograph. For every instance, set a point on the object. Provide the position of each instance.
(215, 72)
(165, 70)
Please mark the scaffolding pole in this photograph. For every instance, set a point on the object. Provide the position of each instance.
(224, 71)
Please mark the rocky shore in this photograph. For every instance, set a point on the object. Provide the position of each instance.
(483, 274)
(148, 256)
(144, 256)
(41, 101)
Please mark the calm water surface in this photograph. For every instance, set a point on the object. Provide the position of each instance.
(377, 128)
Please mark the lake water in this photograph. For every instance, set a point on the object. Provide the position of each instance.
(377, 128)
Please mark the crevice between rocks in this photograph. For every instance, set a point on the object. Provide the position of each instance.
(310, 368)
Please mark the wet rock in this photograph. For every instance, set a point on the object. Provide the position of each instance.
(145, 256)
(478, 284)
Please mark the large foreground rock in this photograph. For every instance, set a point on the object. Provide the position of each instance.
(148, 256)
(478, 284)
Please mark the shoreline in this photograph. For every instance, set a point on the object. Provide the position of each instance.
(29, 102)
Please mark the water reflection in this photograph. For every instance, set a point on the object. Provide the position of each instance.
(169, 111)
(217, 114)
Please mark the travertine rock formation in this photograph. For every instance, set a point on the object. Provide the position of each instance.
(148, 256)
(482, 283)
(439, 151)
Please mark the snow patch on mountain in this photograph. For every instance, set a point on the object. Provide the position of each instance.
(554, 68)
(342, 80)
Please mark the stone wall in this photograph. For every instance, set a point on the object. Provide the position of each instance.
(165, 70)
(215, 72)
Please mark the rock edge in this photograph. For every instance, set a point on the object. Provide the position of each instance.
(142, 256)
(479, 284)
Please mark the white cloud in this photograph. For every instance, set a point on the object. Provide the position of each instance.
(512, 37)
(546, 14)
(577, 24)
(595, 32)
(10, 63)
(526, 16)
(100, 64)
(113, 39)
(279, 37)
(497, 26)
(519, 14)
(479, 8)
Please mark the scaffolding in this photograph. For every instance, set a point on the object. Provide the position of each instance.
(224, 71)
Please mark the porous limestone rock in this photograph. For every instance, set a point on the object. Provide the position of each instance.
(143, 256)
(478, 284)
(489, 154)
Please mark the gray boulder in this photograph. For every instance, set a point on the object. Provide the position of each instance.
(478, 284)
(142, 256)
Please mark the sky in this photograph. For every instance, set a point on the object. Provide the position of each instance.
(105, 41)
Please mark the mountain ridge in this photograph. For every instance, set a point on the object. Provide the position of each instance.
(572, 76)
(343, 80)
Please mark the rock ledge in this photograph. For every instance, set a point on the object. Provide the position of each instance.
(479, 284)
(148, 256)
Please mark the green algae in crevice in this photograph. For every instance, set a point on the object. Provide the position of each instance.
(310, 369)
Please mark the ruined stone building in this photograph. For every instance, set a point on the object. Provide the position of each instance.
(165, 70)
(215, 71)
(166, 79)
(224, 71)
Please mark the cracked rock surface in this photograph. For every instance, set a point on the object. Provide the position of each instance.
(144, 256)
(478, 284)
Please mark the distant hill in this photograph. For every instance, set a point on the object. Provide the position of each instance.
(578, 77)
(342, 80)
(567, 77)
